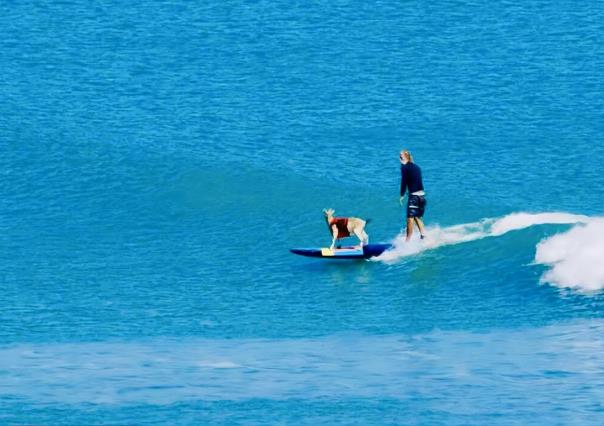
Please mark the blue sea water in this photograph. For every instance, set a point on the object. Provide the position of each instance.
(158, 159)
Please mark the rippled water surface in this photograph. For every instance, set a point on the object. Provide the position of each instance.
(160, 158)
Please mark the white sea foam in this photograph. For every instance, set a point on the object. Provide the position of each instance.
(516, 221)
(576, 257)
(219, 364)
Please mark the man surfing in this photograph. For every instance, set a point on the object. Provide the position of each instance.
(411, 181)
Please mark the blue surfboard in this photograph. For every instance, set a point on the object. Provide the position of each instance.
(370, 250)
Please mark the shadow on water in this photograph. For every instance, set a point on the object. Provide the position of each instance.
(341, 272)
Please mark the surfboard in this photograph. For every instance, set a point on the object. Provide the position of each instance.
(370, 250)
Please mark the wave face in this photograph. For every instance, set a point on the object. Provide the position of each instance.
(457, 234)
(575, 257)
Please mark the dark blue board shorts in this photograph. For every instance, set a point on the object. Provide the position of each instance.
(416, 206)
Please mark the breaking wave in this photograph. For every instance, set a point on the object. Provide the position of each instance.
(575, 257)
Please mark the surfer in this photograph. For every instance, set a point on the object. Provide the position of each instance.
(342, 227)
(411, 181)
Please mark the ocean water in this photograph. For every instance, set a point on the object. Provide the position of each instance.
(158, 160)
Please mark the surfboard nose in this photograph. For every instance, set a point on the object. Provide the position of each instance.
(299, 251)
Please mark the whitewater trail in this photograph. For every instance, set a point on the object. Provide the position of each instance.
(575, 257)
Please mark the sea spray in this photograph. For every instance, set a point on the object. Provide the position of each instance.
(575, 257)
(516, 221)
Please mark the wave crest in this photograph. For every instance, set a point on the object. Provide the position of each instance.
(575, 257)
(490, 227)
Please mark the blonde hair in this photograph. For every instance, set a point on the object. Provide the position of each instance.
(407, 155)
